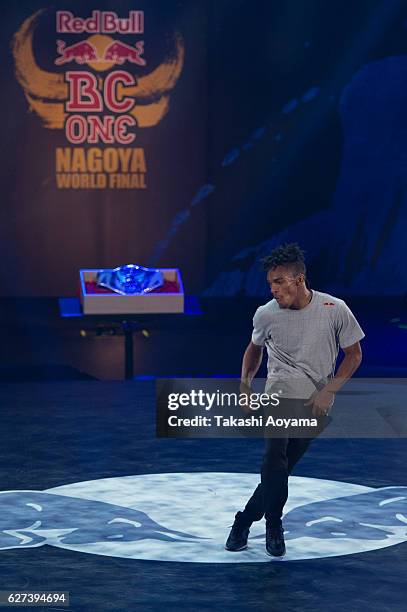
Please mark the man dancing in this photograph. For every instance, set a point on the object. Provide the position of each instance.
(303, 330)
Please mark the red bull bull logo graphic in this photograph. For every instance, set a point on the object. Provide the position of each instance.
(101, 95)
(81, 53)
(85, 52)
(119, 52)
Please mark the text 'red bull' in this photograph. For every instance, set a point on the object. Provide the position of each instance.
(105, 22)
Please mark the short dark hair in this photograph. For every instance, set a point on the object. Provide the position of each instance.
(289, 255)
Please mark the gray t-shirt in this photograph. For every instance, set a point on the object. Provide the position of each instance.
(303, 345)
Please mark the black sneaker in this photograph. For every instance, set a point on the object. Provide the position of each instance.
(275, 545)
(238, 535)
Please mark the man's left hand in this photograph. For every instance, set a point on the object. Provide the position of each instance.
(321, 402)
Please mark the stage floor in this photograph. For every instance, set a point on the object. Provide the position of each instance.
(181, 496)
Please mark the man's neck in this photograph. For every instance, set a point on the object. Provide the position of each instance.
(303, 300)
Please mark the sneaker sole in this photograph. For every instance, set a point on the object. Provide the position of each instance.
(271, 555)
(236, 549)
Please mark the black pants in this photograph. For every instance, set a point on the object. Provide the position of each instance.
(280, 457)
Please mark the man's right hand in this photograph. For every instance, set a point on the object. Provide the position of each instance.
(245, 389)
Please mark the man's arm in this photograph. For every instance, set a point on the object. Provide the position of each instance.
(322, 400)
(349, 365)
(252, 359)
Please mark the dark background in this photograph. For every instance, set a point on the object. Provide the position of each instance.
(288, 123)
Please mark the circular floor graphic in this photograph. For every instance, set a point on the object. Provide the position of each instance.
(186, 517)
